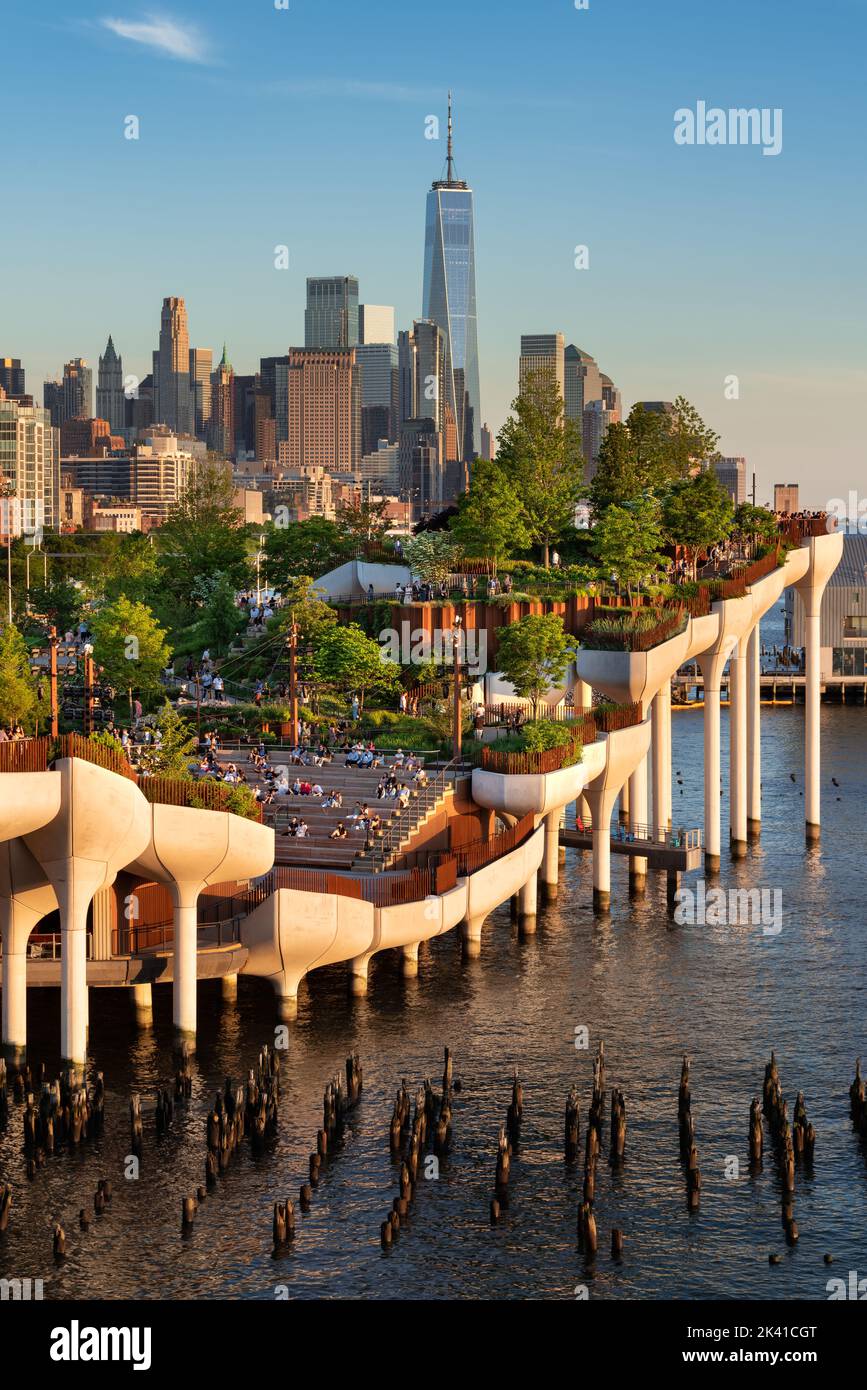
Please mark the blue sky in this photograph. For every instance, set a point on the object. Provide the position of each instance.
(306, 127)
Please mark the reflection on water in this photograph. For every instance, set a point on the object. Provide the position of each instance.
(727, 995)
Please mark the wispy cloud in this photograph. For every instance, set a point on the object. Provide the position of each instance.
(163, 35)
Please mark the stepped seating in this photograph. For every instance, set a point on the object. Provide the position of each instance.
(356, 785)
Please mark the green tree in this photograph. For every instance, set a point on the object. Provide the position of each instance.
(490, 520)
(539, 450)
(620, 477)
(697, 513)
(171, 758)
(204, 533)
(358, 522)
(648, 452)
(127, 564)
(60, 601)
(432, 555)
(216, 595)
(346, 659)
(534, 654)
(628, 542)
(129, 645)
(17, 687)
(303, 548)
(756, 525)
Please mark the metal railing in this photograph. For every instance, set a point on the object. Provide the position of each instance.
(399, 827)
(659, 836)
(470, 858)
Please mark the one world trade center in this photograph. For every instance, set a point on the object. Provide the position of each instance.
(450, 299)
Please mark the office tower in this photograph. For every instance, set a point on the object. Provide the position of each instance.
(324, 410)
(12, 376)
(379, 470)
(174, 401)
(596, 420)
(542, 355)
(489, 444)
(30, 465)
(139, 409)
(611, 398)
(450, 297)
(421, 467)
(201, 366)
(71, 397)
(732, 473)
(221, 437)
(375, 323)
(264, 429)
(331, 316)
(243, 413)
(583, 382)
(378, 363)
(110, 400)
(786, 498)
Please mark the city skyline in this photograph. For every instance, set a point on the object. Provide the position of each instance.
(703, 263)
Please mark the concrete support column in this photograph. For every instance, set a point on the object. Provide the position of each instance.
(601, 807)
(661, 746)
(73, 997)
(710, 671)
(14, 1024)
(358, 975)
(738, 749)
(550, 869)
(527, 898)
(409, 959)
(812, 712)
(229, 988)
(623, 812)
(143, 1005)
(471, 937)
(185, 964)
(287, 1006)
(754, 735)
(638, 819)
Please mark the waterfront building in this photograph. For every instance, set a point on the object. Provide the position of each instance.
(843, 620)
(30, 465)
(449, 297)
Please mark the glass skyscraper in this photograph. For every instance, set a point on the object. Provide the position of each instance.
(331, 316)
(450, 298)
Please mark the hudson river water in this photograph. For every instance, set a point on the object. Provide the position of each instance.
(650, 989)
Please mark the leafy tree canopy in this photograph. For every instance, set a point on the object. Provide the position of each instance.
(539, 450)
(17, 687)
(490, 520)
(432, 555)
(534, 654)
(129, 644)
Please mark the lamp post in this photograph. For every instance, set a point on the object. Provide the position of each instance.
(293, 680)
(7, 492)
(52, 666)
(457, 740)
(259, 558)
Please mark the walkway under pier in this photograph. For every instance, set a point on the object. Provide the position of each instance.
(679, 850)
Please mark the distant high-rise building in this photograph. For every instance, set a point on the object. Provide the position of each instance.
(611, 397)
(583, 382)
(86, 438)
(489, 444)
(421, 467)
(201, 366)
(244, 414)
(732, 473)
(12, 376)
(658, 407)
(596, 421)
(72, 396)
(786, 498)
(110, 399)
(30, 465)
(174, 400)
(379, 469)
(324, 410)
(450, 297)
(221, 436)
(375, 323)
(542, 355)
(331, 316)
(378, 363)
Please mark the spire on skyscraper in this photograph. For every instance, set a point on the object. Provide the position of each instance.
(449, 155)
